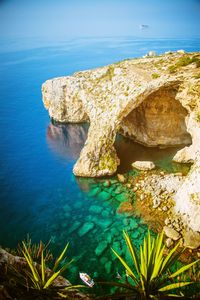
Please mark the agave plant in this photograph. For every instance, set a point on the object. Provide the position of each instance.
(39, 277)
(149, 276)
(35, 250)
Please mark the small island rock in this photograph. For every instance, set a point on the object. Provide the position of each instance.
(143, 165)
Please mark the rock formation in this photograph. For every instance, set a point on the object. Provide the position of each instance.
(153, 100)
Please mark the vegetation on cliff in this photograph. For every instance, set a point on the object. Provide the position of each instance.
(149, 274)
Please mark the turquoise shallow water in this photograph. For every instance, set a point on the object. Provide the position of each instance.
(39, 195)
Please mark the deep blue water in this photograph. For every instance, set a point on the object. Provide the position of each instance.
(39, 194)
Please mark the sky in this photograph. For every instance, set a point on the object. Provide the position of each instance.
(99, 18)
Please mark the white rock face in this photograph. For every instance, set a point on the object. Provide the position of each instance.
(123, 98)
(143, 165)
(187, 198)
(171, 233)
(192, 239)
(143, 100)
(190, 153)
(58, 96)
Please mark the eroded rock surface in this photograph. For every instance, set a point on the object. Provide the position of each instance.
(153, 100)
(141, 98)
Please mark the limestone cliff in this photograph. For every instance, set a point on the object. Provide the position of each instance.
(153, 100)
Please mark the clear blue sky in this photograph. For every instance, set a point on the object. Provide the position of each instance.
(81, 18)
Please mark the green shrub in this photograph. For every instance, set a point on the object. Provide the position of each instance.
(184, 61)
(198, 116)
(172, 68)
(155, 75)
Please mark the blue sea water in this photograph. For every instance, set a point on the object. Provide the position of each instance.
(39, 194)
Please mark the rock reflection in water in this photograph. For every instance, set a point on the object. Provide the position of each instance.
(67, 140)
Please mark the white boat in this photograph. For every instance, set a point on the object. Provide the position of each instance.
(86, 279)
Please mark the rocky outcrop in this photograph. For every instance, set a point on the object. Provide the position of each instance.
(141, 98)
(187, 198)
(153, 100)
(11, 280)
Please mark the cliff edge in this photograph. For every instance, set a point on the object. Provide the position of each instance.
(154, 101)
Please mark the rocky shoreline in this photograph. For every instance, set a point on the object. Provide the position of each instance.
(154, 101)
(156, 190)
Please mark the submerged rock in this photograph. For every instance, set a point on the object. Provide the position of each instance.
(95, 209)
(85, 229)
(117, 247)
(133, 224)
(66, 208)
(105, 213)
(135, 234)
(108, 267)
(94, 192)
(104, 223)
(119, 189)
(143, 165)
(102, 246)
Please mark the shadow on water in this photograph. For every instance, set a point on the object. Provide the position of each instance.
(67, 141)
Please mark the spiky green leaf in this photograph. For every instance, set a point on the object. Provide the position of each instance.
(51, 279)
(125, 265)
(59, 259)
(174, 286)
(43, 266)
(32, 267)
(132, 251)
(183, 269)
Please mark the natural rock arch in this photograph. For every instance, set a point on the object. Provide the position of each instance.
(153, 117)
(125, 98)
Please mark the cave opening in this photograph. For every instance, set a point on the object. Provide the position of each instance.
(155, 130)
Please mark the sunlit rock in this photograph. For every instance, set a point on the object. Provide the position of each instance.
(191, 239)
(171, 233)
(153, 100)
(143, 165)
(187, 198)
(154, 110)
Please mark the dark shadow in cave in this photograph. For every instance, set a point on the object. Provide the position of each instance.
(159, 123)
